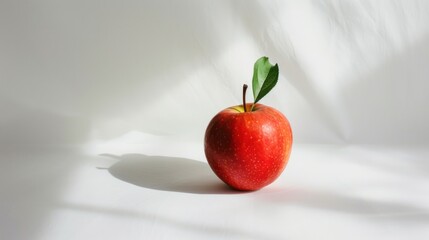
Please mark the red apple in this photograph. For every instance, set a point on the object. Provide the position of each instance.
(248, 146)
(248, 149)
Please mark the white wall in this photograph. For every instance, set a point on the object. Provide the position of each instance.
(73, 71)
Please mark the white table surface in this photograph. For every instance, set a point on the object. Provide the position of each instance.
(164, 189)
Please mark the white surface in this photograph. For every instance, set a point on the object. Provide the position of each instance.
(145, 77)
(326, 192)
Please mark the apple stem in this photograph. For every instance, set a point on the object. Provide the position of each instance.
(244, 97)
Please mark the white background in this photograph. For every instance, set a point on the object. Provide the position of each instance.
(104, 104)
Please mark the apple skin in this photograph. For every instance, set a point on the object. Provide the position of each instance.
(248, 150)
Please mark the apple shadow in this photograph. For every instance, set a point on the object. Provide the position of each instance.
(168, 174)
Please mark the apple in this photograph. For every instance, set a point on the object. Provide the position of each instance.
(248, 150)
(249, 147)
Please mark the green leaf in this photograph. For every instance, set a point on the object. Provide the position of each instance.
(265, 77)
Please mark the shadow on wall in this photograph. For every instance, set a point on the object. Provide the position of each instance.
(266, 27)
(168, 174)
(107, 62)
(25, 127)
(389, 105)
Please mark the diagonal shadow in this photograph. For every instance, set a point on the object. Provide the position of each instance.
(168, 174)
(393, 110)
(332, 201)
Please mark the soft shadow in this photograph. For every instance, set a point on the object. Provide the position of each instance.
(393, 110)
(168, 174)
(217, 230)
(331, 201)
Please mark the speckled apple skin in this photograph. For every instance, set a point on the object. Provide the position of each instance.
(248, 150)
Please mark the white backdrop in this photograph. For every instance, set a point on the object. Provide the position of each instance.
(351, 72)
(103, 74)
